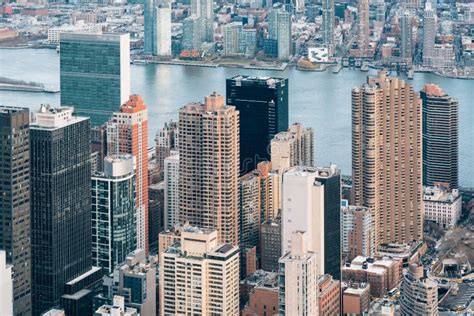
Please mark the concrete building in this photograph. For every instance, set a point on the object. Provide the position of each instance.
(444, 56)
(295, 147)
(171, 181)
(199, 275)
(356, 299)
(382, 274)
(441, 205)
(205, 11)
(137, 283)
(384, 148)
(284, 38)
(267, 194)
(298, 279)
(263, 106)
(127, 133)
(406, 37)
(61, 210)
(329, 295)
(363, 25)
(149, 28)
(429, 34)
(6, 284)
(94, 73)
(440, 137)
(15, 235)
(357, 232)
(162, 34)
(170, 236)
(418, 294)
(192, 33)
(249, 213)
(166, 140)
(263, 300)
(116, 309)
(113, 212)
(270, 245)
(239, 41)
(328, 25)
(206, 200)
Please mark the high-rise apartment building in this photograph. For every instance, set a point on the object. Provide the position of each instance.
(328, 25)
(406, 36)
(166, 139)
(249, 213)
(60, 202)
(387, 157)
(357, 232)
(298, 279)
(363, 25)
(199, 276)
(440, 137)
(113, 212)
(127, 133)
(162, 30)
(418, 293)
(149, 27)
(329, 295)
(429, 34)
(292, 148)
(284, 35)
(95, 73)
(15, 202)
(171, 182)
(192, 33)
(303, 210)
(270, 244)
(204, 10)
(209, 166)
(263, 106)
(267, 196)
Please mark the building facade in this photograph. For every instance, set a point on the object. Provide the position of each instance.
(209, 167)
(166, 140)
(418, 294)
(442, 205)
(171, 181)
(113, 212)
(249, 222)
(162, 30)
(387, 157)
(329, 295)
(15, 202)
(60, 202)
(357, 232)
(127, 133)
(270, 244)
(429, 34)
(95, 73)
(440, 137)
(199, 275)
(263, 106)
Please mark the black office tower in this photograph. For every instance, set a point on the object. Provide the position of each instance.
(330, 177)
(263, 106)
(440, 137)
(15, 202)
(60, 203)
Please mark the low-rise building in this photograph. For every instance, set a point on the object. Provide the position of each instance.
(116, 309)
(329, 296)
(441, 205)
(356, 299)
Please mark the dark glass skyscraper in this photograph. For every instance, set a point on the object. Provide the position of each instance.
(60, 203)
(330, 177)
(263, 106)
(440, 137)
(95, 73)
(15, 202)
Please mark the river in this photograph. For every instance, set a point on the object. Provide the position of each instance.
(321, 100)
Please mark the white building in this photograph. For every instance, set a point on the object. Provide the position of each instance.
(163, 30)
(116, 309)
(357, 232)
(298, 281)
(6, 284)
(441, 205)
(171, 179)
(198, 276)
(303, 210)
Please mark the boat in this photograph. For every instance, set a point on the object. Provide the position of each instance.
(410, 73)
(364, 67)
(337, 69)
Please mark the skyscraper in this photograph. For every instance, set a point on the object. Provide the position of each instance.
(263, 106)
(166, 139)
(418, 294)
(199, 276)
(171, 181)
(440, 137)
(209, 166)
(298, 279)
(364, 25)
(15, 202)
(113, 212)
(162, 30)
(330, 178)
(270, 245)
(95, 73)
(149, 27)
(328, 24)
(127, 133)
(429, 34)
(386, 157)
(60, 202)
(192, 33)
(204, 10)
(284, 35)
(406, 37)
(357, 232)
(249, 223)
